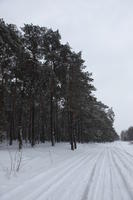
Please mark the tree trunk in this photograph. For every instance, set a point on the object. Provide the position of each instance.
(33, 128)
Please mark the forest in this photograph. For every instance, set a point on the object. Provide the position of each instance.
(46, 92)
(127, 135)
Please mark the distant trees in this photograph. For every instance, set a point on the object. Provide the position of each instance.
(127, 135)
(45, 92)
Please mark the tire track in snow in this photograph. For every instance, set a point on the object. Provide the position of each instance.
(111, 175)
(60, 161)
(122, 177)
(37, 178)
(101, 186)
(116, 185)
(56, 187)
(105, 183)
(124, 150)
(44, 167)
(34, 182)
(89, 192)
(57, 180)
(126, 169)
(124, 155)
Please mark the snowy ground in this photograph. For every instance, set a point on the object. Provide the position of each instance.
(92, 172)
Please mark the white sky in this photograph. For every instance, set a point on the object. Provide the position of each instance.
(102, 30)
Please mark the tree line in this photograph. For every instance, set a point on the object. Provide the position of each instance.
(127, 135)
(45, 92)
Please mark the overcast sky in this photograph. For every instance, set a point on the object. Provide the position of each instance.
(102, 30)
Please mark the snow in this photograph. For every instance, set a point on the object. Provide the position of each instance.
(92, 172)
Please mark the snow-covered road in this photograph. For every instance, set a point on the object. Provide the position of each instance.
(92, 172)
